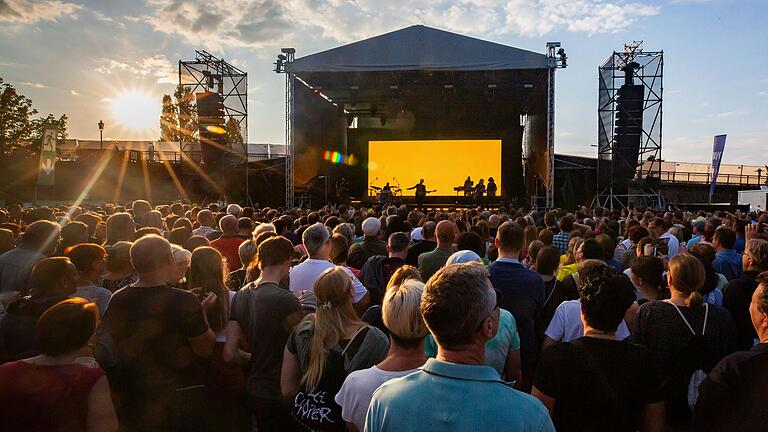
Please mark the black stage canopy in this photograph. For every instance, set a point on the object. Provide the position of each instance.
(418, 83)
(419, 48)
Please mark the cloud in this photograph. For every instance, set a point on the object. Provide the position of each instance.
(74, 92)
(157, 67)
(763, 93)
(28, 12)
(269, 23)
(729, 114)
(37, 85)
(226, 23)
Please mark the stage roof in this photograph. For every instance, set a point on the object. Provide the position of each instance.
(419, 48)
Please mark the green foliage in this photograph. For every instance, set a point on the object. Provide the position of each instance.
(178, 119)
(233, 135)
(20, 131)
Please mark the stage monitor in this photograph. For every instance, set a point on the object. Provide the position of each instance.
(443, 164)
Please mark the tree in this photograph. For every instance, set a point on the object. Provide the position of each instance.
(178, 120)
(38, 127)
(16, 127)
(169, 120)
(234, 137)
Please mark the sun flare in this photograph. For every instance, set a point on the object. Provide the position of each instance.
(136, 110)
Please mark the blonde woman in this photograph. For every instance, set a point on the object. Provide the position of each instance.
(225, 382)
(177, 273)
(406, 352)
(207, 273)
(373, 315)
(684, 335)
(323, 349)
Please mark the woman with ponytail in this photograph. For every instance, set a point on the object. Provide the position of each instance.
(323, 349)
(686, 336)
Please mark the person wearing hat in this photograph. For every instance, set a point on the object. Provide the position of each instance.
(370, 246)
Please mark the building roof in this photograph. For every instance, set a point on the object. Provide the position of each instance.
(419, 48)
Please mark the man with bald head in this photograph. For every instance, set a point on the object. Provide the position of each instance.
(431, 262)
(229, 242)
(152, 342)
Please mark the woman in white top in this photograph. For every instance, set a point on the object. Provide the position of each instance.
(400, 311)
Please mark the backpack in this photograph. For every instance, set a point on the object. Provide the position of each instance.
(689, 371)
(317, 410)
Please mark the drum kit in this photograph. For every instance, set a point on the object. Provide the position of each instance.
(385, 194)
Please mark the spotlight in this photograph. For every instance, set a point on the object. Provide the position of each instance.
(282, 57)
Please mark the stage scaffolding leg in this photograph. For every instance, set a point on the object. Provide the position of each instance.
(556, 59)
(285, 59)
(550, 192)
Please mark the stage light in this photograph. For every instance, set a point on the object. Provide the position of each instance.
(216, 129)
(281, 57)
(333, 157)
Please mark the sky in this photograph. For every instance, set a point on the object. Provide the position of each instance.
(95, 60)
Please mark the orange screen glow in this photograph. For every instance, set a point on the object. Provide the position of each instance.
(443, 164)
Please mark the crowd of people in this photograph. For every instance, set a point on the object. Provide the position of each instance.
(351, 318)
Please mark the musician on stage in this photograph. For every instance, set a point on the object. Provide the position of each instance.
(386, 194)
(479, 192)
(421, 192)
(491, 189)
(468, 183)
(342, 191)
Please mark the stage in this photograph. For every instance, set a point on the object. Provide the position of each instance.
(419, 103)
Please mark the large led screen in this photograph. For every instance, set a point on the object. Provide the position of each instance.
(443, 164)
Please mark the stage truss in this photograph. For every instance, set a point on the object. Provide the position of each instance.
(649, 74)
(556, 59)
(209, 74)
(287, 56)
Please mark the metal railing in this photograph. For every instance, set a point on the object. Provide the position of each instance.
(706, 178)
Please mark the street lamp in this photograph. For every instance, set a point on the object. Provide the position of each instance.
(101, 135)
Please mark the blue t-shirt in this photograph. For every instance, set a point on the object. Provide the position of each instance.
(496, 349)
(446, 396)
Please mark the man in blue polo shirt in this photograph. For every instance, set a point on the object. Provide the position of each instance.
(455, 391)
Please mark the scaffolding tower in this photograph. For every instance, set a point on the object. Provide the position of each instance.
(623, 178)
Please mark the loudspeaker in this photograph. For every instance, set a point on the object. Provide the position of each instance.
(211, 127)
(628, 133)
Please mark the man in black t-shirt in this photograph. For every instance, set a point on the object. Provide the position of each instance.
(153, 342)
(264, 314)
(596, 382)
(733, 395)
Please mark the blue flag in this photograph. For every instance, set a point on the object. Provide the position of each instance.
(717, 155)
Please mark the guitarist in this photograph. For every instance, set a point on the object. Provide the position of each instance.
(421, 192)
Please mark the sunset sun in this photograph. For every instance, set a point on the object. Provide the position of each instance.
(136, 110)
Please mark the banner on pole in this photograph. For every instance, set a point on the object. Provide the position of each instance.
(717, 156)
(46, 173)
